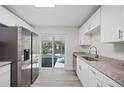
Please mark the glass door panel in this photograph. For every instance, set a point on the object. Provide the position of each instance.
(59, 53)
(46, 53)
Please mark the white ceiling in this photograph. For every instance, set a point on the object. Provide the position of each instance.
(61, 15)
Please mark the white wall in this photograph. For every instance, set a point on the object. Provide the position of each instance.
(109, 50)
(71, 42)
(8, 18)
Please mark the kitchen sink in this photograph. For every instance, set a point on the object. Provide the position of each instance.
(89, 58)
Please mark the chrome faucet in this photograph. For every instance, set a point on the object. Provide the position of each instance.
(96, 55)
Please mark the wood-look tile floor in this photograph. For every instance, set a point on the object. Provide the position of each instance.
(56, 78)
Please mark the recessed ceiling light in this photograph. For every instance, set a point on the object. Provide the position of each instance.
(44, 5)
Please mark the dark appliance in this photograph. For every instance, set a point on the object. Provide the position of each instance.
(26, 54)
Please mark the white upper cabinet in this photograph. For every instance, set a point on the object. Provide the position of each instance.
(112, 23)
(9, 19)
(92, 25)
(93, 22)
(84, 39)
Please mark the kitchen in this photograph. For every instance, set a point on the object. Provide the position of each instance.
(96, 54)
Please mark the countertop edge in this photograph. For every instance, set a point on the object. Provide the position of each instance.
(79, 56)
(4, 63)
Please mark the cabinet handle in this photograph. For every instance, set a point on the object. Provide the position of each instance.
(93, 71)
(110, 85)
(98, 85)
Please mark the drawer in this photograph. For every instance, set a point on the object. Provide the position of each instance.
(110, 83)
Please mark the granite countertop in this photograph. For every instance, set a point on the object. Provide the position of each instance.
(110, 67)
(3, 63)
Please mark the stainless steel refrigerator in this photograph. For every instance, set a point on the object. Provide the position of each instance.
(18, 45)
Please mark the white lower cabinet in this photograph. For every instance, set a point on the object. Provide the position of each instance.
(5, 76)
(109, 82)
(82, 72)
(90, 77)
(78, 68)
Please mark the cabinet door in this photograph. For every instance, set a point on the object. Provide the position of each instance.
(92, 77)
(93, 21)
(84, 39)
(5, 76)
(96, 19)
(80, 36)
(110, 83)
(111, 21)
(78, 68)
(84, 74)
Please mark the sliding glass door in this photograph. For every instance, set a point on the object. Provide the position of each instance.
(53, 51)
(59, 52)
